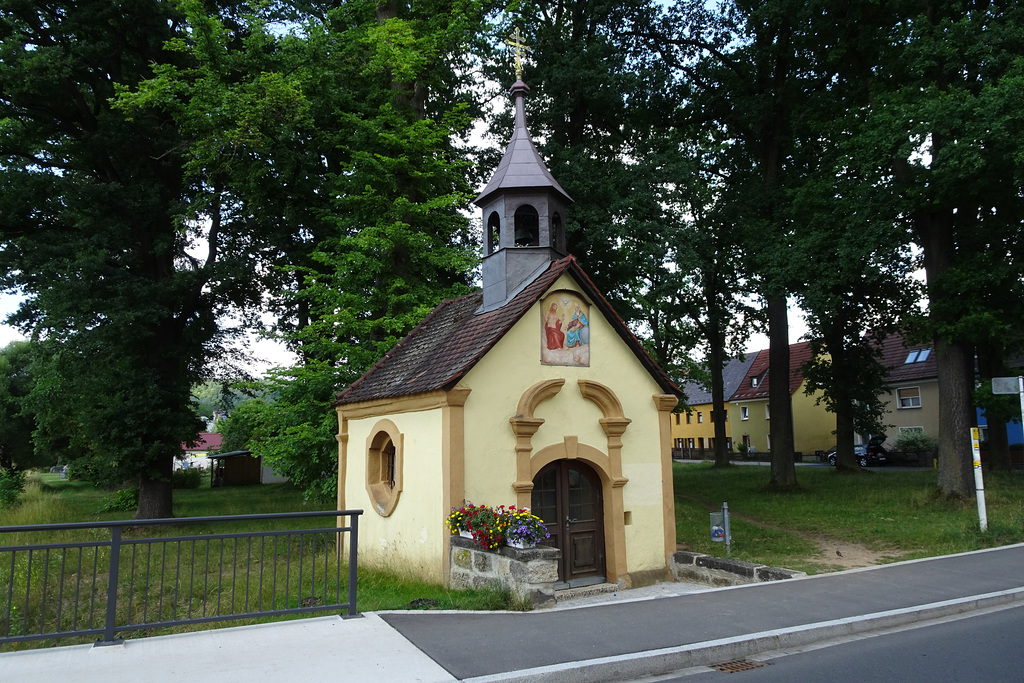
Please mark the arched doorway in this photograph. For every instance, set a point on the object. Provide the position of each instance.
(567, 496)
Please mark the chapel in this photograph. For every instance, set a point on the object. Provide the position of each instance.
(531, 391)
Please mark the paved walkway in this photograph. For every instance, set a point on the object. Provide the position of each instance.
(611, 638)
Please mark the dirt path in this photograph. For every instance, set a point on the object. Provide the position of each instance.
(834, 555)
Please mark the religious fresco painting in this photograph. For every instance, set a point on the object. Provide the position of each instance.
(565, 331)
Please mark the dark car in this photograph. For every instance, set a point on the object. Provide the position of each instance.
(872, 453)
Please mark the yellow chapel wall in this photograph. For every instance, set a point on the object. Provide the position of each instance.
(512, 367)
(412, 537)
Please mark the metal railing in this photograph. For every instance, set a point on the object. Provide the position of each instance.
(136, 579)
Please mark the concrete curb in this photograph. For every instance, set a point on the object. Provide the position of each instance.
(667, 660)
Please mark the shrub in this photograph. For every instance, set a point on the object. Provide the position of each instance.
(187, 478)
(915, 442)
(12, 483)
(124, 500)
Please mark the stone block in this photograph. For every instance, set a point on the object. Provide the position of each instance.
(462, 558)
(460, 580)
(684, 557)
(482, 562)
(777, 574)
(744, 569)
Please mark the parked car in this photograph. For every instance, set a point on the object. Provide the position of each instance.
(872, 453)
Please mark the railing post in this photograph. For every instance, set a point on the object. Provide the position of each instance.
(353, 558)
(115, 561)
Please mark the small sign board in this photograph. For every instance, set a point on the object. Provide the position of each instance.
(717, 527)
(1005, 385)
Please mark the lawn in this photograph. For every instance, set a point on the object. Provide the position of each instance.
(893, 512)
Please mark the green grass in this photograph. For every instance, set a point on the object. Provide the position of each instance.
(894, 512)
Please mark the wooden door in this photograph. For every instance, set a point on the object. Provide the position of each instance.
(567, 496)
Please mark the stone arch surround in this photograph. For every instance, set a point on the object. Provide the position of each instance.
(607, 464)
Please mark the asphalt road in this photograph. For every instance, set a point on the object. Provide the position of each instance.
(980, 647)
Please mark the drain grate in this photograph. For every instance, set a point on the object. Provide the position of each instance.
(738, 665)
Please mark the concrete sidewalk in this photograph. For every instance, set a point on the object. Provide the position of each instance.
(610, 638)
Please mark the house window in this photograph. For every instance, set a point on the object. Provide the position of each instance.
(384, 466)
(700, 417)
(688, 418)
(744, 413)
(691, 443)
(767, 411)
(753, 382)
(677, 418)
(728, 443)
(909, 397)
(700, 443)
(911, 429)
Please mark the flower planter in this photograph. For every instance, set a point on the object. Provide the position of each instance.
(466, 534)
(520, 544)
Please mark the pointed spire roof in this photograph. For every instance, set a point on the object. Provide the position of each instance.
(522, 167)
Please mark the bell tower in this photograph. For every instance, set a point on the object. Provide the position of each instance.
(523, 209)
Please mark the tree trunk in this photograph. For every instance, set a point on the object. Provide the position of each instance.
(954, 359)
(715, 357)
(956, 374)
(155, 497)
(846, 460)
(783, 474)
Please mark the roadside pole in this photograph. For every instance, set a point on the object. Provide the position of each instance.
(979, 483)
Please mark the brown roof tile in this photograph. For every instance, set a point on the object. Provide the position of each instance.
(896, 352)
(799, 354)
(439, 351)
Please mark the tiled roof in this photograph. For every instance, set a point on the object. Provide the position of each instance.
(799, 354)
(206, 441)
(896, 352)
(732, 377)
(439, 351)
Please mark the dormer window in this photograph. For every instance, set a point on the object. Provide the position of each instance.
(753, 382)
(917, 356)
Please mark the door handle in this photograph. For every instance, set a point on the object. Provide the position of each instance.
(568, 522)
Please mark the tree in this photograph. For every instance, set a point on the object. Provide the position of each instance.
(17, 421)
(373, 183)
(90, 220)
(943, 136)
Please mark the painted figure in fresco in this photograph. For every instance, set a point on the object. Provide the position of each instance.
(555, 338)
(578, 330)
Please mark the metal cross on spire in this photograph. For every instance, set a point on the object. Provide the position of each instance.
(516, 41)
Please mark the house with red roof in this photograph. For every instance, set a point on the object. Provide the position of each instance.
(530, 392)
(198, 454)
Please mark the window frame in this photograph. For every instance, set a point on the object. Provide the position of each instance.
(384, 460)
(910, 398)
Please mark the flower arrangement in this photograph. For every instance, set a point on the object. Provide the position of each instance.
(459, 518)
(493, 527)
(524, 527)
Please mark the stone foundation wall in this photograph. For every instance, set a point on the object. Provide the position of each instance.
(719, 571)
(531, 573)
